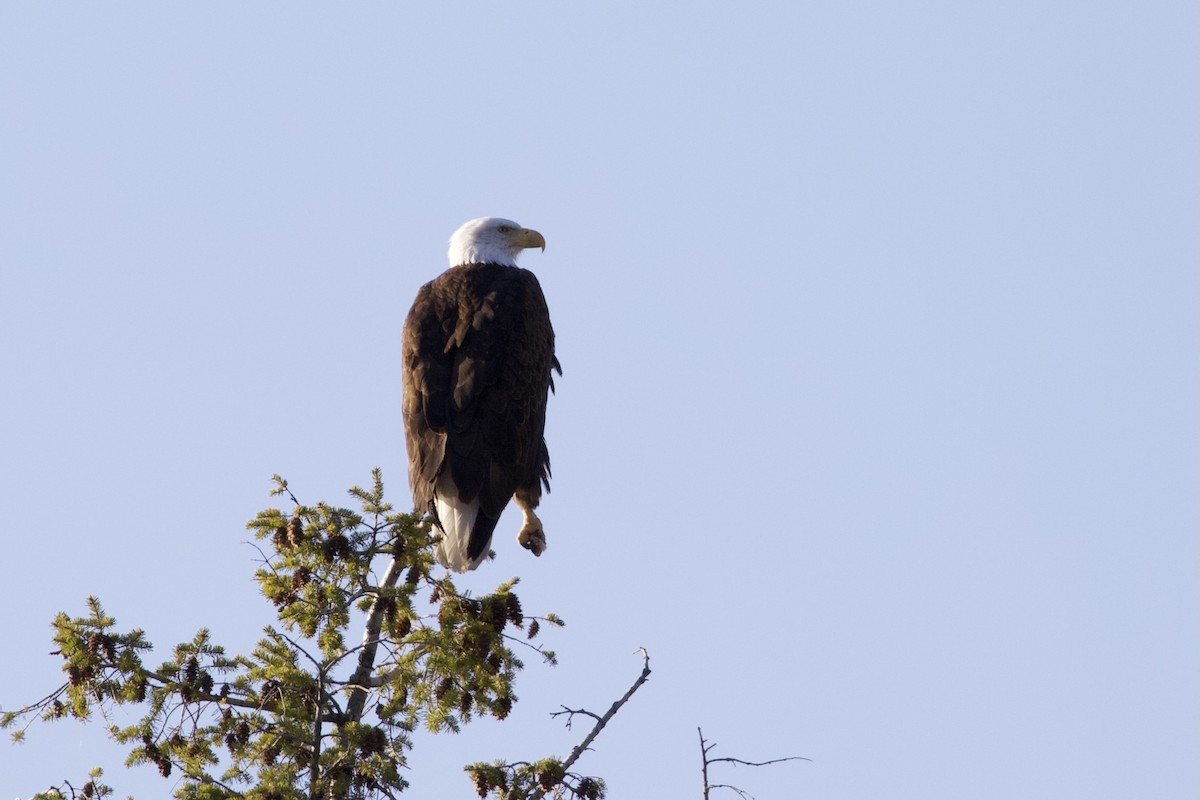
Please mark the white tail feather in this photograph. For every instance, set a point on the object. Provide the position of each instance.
(457, 518)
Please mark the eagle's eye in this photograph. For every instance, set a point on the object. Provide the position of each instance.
(504, 229)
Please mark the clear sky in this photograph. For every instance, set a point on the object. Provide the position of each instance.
(880, 418)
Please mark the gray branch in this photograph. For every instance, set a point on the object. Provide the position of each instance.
(366, 657)
(600, 721)
(706, 747)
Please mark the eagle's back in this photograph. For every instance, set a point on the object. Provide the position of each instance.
(478, 352)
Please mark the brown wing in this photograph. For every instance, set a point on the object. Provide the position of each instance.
(478, 351)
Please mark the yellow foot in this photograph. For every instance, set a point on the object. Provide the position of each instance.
(532, 537)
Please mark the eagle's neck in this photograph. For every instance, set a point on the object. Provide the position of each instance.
(480, 252)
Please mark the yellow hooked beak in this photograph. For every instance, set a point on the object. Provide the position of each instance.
(528, 238)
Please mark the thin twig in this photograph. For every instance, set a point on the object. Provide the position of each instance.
(759, 763)
(571, 712)
(744, 794)
(284, 486)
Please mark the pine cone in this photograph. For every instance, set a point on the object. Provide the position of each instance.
(295, 531)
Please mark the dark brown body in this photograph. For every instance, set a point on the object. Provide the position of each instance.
(478, 353)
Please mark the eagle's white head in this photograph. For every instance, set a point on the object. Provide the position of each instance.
(491, 240)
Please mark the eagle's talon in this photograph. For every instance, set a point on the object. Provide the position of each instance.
(533, 540)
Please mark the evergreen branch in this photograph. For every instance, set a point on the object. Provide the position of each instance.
(283, 720)
(281, 487)
(209, 697)
(29, 711)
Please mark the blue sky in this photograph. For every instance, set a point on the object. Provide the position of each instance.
(878, 424)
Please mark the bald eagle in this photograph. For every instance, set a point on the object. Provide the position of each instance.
(478, 355)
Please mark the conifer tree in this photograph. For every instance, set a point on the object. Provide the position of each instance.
(310, 712)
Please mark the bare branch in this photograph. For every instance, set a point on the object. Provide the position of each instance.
(744, 794)
(601, 721)
(571, 712)
(759, 763)
(707, 746)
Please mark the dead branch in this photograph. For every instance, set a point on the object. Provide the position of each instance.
(706, 747)
(600, 721)
(758, 763)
